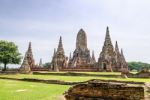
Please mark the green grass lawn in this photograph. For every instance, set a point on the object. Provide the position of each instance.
(77, 78)
(19, 90)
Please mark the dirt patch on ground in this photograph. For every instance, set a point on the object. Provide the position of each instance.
(60, 98)
(21, 90)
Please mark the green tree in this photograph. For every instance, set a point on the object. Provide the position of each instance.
(47, 65)
(137, 65)
(9, 53)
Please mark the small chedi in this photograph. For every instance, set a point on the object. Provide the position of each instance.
(29, 55)
(40, 63)
(25, 67)
(102, 90)
(59, 59)
(28, 62)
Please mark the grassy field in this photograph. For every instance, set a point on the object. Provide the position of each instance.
(78, 78)
(19, 90)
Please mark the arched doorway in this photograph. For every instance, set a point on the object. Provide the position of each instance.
(104, 66)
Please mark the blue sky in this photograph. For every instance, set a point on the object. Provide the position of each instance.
(43, 21)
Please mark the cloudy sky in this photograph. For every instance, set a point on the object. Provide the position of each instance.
(43, 21)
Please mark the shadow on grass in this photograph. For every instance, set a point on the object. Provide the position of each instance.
(78, 74)
(60, 82)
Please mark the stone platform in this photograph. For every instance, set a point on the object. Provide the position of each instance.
(99, 90)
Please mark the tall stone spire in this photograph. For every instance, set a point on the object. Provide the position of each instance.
(119, 58)
(54, 60)
(108, 47)
(54, 52)
(70, 56)
(54, 56)
(81, 40)
(107, 37)
(116, 47)
(70, 60)
(25, 67)
(93, 57)
(30, 56)
(110, 59)
(55, 65)
(125, 65)
(60, 49)
(122, 55)
(40, 63)
(121, 51)
(29, 47)
(59, 58)
(107, 56)
(81, 55)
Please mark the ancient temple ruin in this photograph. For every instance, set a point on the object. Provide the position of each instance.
(81, 55)
(25, 67)
(59, 59)
(105, 90)
(54, 66)
(93, 58)
(40, 63)
(111, 59)
(29, 57)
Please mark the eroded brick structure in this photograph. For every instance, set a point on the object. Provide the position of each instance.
(111, 59)
(81, 56)
(144, 73)
(30, 57)
(59, 59)
(98, 90)
(28, 62)
(25, 67)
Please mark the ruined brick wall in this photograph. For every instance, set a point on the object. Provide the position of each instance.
(83, 69)
(104, 91)
(138, 75)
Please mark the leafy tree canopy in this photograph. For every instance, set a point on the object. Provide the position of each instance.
(9, 53)
(137, 65)
(47, 65)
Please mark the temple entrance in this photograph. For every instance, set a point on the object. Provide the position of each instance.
(104, 66)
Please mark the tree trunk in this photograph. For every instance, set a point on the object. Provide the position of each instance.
(4, 67)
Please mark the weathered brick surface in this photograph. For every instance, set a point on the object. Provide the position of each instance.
(144, 73)
(104, 91)
(138, 75)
